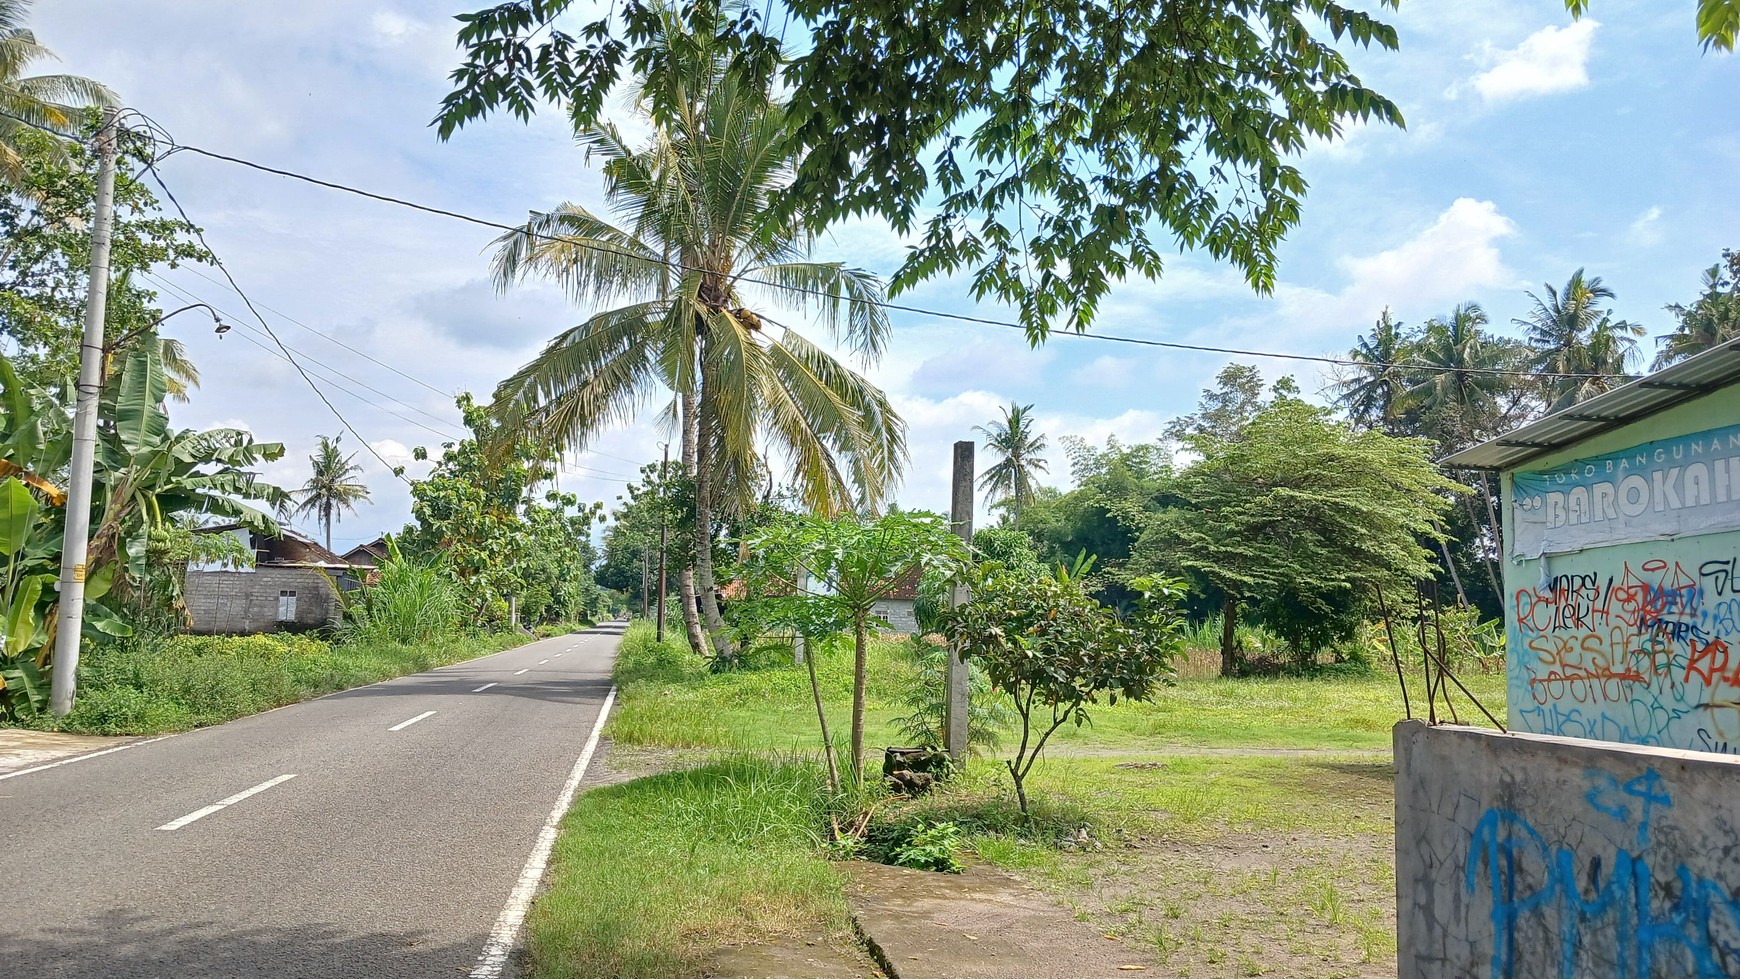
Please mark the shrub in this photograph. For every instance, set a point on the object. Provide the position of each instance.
(407, 601)
(931, 847)
(1053, 649)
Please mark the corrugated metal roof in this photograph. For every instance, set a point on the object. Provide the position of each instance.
(1715, 368)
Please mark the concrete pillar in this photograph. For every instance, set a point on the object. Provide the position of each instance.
(961, 520)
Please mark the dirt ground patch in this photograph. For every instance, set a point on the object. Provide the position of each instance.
(1296, 881)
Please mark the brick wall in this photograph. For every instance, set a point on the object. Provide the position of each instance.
(252, 601)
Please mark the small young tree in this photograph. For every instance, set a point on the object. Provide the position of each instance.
(1054, 649)
(855, 563)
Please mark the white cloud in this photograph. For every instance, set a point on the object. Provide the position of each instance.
(1551, 60)
(1103, 372)
(1646, 231)
(395, 452)
(1456, 255)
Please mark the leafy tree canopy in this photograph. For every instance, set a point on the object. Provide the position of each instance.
(479, 509)
(1048, 149)
(1299, 508)
(45, 224)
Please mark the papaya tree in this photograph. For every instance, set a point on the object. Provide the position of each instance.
(854, 564)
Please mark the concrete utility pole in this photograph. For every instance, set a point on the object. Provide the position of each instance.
(76, 546)
(955, 677)
(664, 534)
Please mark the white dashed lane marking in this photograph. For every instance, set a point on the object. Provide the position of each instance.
(199, 814)
(483, 688)
(405, 724)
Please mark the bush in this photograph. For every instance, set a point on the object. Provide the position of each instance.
(151, 686)
(931, 847)
(407, 601)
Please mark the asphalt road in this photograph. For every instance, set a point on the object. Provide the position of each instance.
(388, 853)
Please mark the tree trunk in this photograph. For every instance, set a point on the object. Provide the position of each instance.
(860, 660)
(1229, 618)
(1485, 562)
(686, 578)
(1456, 579)
(822, 719)
(704, 584)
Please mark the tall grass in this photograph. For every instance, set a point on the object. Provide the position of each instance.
(407, 601)
(154, 686)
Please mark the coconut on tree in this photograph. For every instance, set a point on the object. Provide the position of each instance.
(687, 268)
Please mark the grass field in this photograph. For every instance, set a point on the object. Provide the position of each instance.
(1230, 827)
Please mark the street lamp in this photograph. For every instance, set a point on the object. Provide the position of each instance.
(121, 340)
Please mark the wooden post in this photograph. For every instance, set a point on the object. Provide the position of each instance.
(955, 679)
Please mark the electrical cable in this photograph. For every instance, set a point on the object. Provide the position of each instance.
(397, 471)
(882, 304)
(189, 296)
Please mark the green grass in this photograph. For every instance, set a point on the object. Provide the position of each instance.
(650, 875)
(158, 686)
(670, 700)
(1220, 862)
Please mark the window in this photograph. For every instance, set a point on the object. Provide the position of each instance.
(287, 606)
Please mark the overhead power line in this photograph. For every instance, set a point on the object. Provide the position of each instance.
(884, 304)
(332, 339)
(175, 147)
(397, 471)
(189, 296)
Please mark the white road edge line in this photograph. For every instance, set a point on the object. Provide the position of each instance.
(507, 927)
(405, 724)
(88, 754)
(483, 688)
(199, 814)
(526, 670)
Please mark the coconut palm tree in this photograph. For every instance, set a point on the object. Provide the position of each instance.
(1020, 458)
(1714, 318)
(1578, 340)
(1375, 393)
(332, 488)
(53, 101)
(684, 277)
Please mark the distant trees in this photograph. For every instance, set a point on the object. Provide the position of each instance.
(1578, 344)
(1299, 514)
(1711, 319)
(486, 510)
(1020, 454)
(331, 488)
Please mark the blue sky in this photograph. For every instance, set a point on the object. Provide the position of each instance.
(1534, 145)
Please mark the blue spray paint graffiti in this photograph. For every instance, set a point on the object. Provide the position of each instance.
(1611, 914)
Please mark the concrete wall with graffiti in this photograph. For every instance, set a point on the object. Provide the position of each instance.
(1528, 857)
(1623, 571)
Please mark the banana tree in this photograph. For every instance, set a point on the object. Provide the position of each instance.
(148, 472)
(29, 561)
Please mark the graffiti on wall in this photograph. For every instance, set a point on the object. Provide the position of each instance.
(1645, 652)
(1612, 901)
